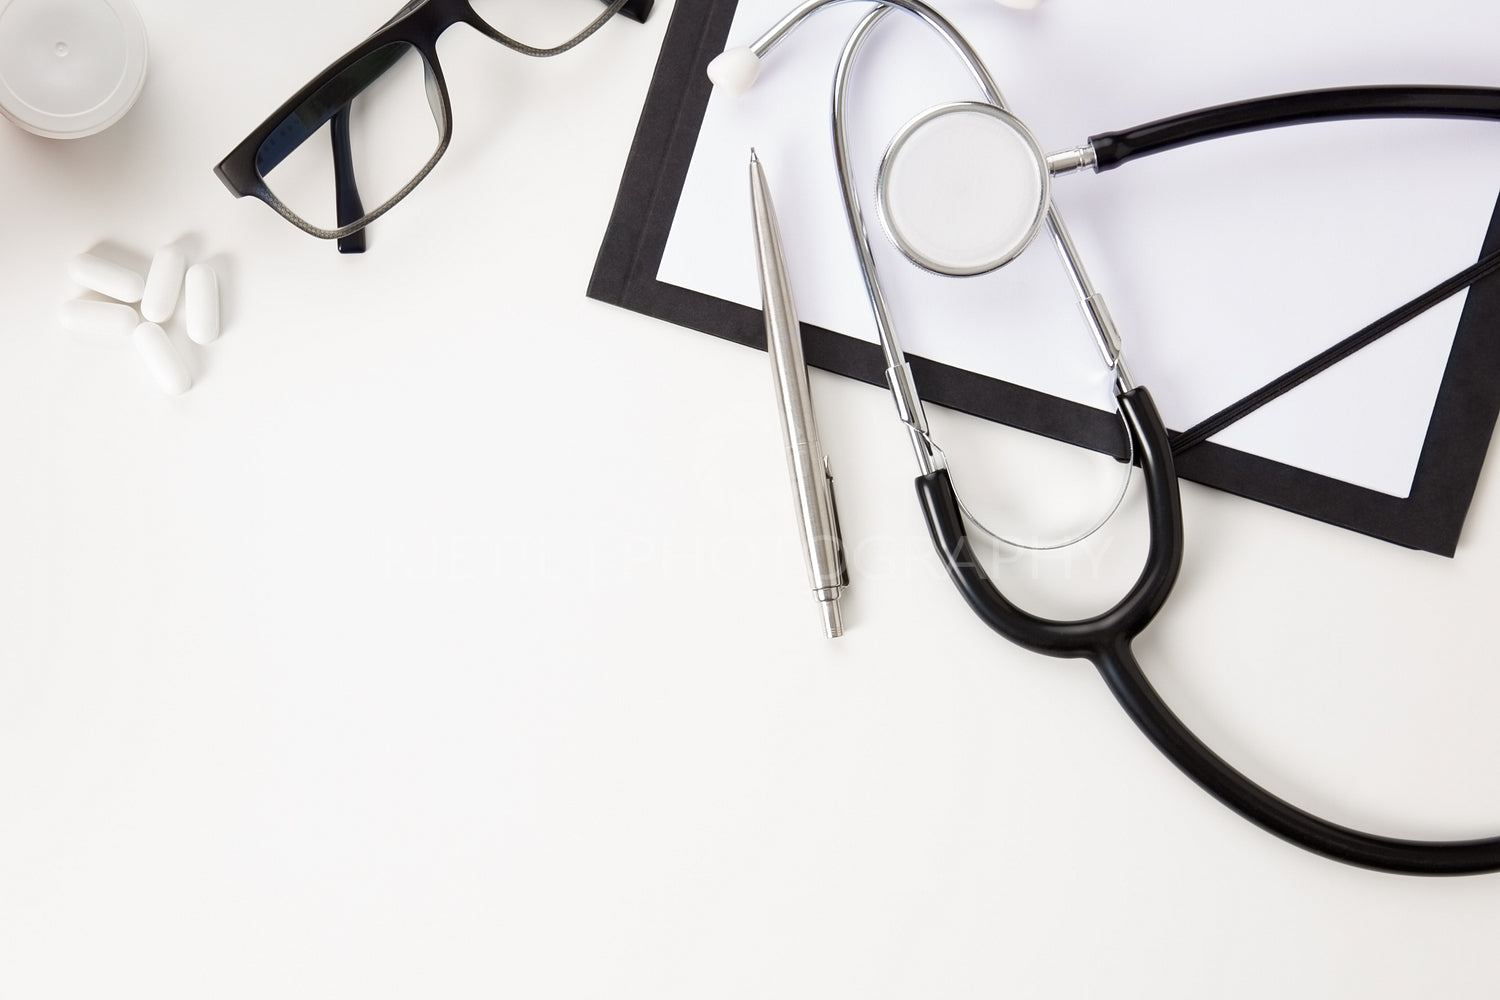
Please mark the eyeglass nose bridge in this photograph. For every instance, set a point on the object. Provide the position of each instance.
(635, 10)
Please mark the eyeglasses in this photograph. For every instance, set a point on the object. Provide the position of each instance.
(369, 127)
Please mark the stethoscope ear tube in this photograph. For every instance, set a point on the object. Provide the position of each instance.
(1105, 640)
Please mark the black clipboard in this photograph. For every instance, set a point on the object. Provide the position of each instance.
(1431, 518)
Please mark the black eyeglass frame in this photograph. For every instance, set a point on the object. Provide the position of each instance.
(419, 24)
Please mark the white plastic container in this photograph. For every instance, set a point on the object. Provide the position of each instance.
(70, 68)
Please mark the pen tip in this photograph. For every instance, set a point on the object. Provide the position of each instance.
(833, 621)
(753, 158)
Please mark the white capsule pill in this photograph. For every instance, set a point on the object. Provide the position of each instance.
(201, 302)
(160, 358)
(106, 277)
(163, 284)
(93, 317)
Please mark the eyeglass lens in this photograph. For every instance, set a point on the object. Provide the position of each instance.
(388, 111)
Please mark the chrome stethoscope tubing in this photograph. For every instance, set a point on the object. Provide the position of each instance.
(1105, 639)
(898, 372)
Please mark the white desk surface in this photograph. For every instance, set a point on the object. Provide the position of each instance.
(449, 637)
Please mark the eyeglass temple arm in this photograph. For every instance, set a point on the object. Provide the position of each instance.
(335, 100)
(345, 190)
(1336, 104)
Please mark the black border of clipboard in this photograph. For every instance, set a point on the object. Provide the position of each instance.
(1453, 453)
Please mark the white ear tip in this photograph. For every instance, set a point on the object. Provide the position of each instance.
(1020, 4)
(734, 70)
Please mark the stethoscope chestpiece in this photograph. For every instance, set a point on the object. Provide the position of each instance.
(963, 188)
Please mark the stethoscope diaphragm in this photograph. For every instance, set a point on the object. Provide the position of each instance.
(963, 188)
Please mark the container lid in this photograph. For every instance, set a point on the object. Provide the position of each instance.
(70, 68)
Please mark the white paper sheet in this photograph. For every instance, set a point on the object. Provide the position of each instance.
(1224, 263)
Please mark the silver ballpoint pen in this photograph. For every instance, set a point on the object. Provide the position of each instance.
(812, 481)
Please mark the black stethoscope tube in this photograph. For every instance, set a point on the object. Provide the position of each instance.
(1085, 637)
(1145, 707)
(1105, 640)
(1337, 104)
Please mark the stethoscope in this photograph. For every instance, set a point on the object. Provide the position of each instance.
(1006, 202)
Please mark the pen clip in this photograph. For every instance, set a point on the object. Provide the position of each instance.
(838, 529)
